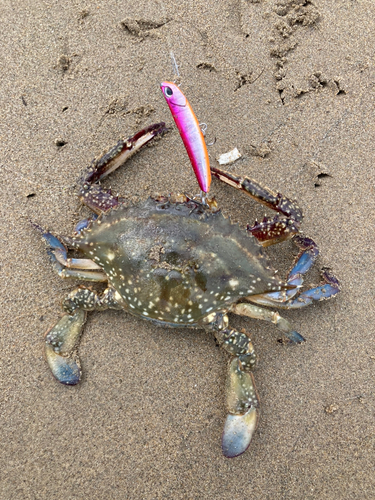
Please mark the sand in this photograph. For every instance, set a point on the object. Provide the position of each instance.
(291, 85)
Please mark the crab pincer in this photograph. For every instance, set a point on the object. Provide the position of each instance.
(190, 131)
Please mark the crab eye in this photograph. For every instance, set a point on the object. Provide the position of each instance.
(168, 91)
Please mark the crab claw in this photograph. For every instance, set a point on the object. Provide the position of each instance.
(242, 402)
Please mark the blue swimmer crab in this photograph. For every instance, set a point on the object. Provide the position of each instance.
(178, 262)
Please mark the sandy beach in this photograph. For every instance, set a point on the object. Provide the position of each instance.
(291, 84)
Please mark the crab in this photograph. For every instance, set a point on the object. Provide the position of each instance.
(178, 262)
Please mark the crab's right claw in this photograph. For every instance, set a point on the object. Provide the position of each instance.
(242, 402)
(60, 347)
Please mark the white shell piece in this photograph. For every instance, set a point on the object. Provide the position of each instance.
(229, 157)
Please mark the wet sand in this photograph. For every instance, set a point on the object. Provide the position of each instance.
(291, 85)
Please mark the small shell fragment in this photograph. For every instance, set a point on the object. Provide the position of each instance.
(229, 157)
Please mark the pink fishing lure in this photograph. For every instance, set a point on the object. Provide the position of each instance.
(190, 132)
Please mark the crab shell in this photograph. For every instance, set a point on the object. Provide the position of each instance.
(175, 263)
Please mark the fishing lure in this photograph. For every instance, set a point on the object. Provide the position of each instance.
(190, 132)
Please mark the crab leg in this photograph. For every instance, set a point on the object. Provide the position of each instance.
(84, 223)
(328, 289)
(84, 269)
(309, 251)
(306, 258)
(60, 252)
(260, 193)
(242, 400)
(239, 345)
(94, 196)
(242, 403)
(63, 338)
(269, 231)
(253, 311)
(60, 346)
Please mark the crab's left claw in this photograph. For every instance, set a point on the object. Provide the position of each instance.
(242, 402)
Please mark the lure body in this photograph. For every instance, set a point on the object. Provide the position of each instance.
(190, 132)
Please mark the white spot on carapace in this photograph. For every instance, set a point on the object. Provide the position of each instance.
(233, 283)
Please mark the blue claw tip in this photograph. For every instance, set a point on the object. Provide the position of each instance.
(295, 337)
